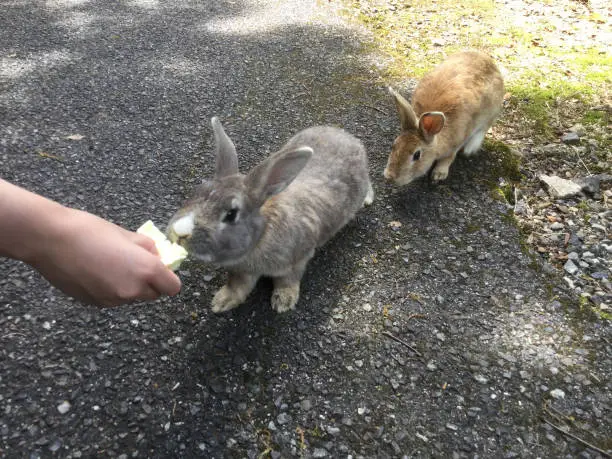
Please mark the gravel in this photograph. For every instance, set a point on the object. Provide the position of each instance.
(460, 350)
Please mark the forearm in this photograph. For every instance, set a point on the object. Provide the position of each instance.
(26, 221)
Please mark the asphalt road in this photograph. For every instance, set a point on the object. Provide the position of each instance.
(424, 328)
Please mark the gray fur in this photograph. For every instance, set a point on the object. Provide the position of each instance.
(290, 204)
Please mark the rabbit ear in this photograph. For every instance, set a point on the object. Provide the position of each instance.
(276, 173)
(430, 124)
(225, 151)
(408, 119)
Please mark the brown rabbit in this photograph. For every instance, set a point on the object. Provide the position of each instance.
(452, 109)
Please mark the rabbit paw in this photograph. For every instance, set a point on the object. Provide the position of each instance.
(369, 199)
(439, 173)
(225, 299)
(285, 298)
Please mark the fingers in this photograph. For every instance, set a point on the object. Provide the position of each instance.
(165, 281)
(144, 241)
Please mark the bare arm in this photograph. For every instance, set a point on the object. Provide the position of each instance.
(83, 255)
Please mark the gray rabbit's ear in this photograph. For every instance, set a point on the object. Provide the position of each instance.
(276, 173)
(225, 151)
(408, 119)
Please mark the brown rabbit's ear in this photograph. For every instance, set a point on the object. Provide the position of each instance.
(225, 151)
(408, 119)
(276, 173)
(430, 124)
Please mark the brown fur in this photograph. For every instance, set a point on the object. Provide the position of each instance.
(468, 89)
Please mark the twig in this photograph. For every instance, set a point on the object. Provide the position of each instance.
(580, 159)
(584, 442)
(42, 154)
(395, 338)
(376, 108)
(416, 316)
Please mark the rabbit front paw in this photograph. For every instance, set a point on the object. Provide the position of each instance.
(285, 298)
(440, 172)
(226, 299)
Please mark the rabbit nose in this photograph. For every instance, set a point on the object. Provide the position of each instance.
(388, 174)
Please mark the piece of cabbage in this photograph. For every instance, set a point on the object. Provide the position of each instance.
(171, 254)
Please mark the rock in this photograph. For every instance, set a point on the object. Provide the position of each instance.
(570, 138)
(560, 188)
(573, 256)
(570, 267)
(283, 419)
(481, 379)
(592, 183)
(557, 393)
(306, 404)
(64, 407)
(557, 226)
(578, 129)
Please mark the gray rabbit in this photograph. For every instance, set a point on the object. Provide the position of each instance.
(270, 221)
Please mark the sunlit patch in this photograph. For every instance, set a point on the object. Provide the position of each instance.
(147, 4)
(65, 3)
(13, 67)
(263, 20)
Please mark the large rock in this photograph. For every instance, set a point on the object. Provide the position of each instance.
(591, 183)
(560, 188)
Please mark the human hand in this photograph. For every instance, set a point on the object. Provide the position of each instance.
(99, 262)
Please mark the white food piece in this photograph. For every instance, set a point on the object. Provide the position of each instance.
(184, 225)
(171, 254)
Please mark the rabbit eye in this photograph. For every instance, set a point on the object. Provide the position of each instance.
(417, 155)
(230, 215)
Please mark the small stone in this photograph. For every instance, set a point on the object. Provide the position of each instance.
(481, 379)
(570, 267)
(367, 307)
(557, 226)
(306, 404)
(599, 227)
(283, 419)
(451, 426)
(271, 426)
(573, 256)
(557, 393)
(319, 452)
(64, 407)
(332, 430)
(560, 188)
(578, 129)
(570, 138)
